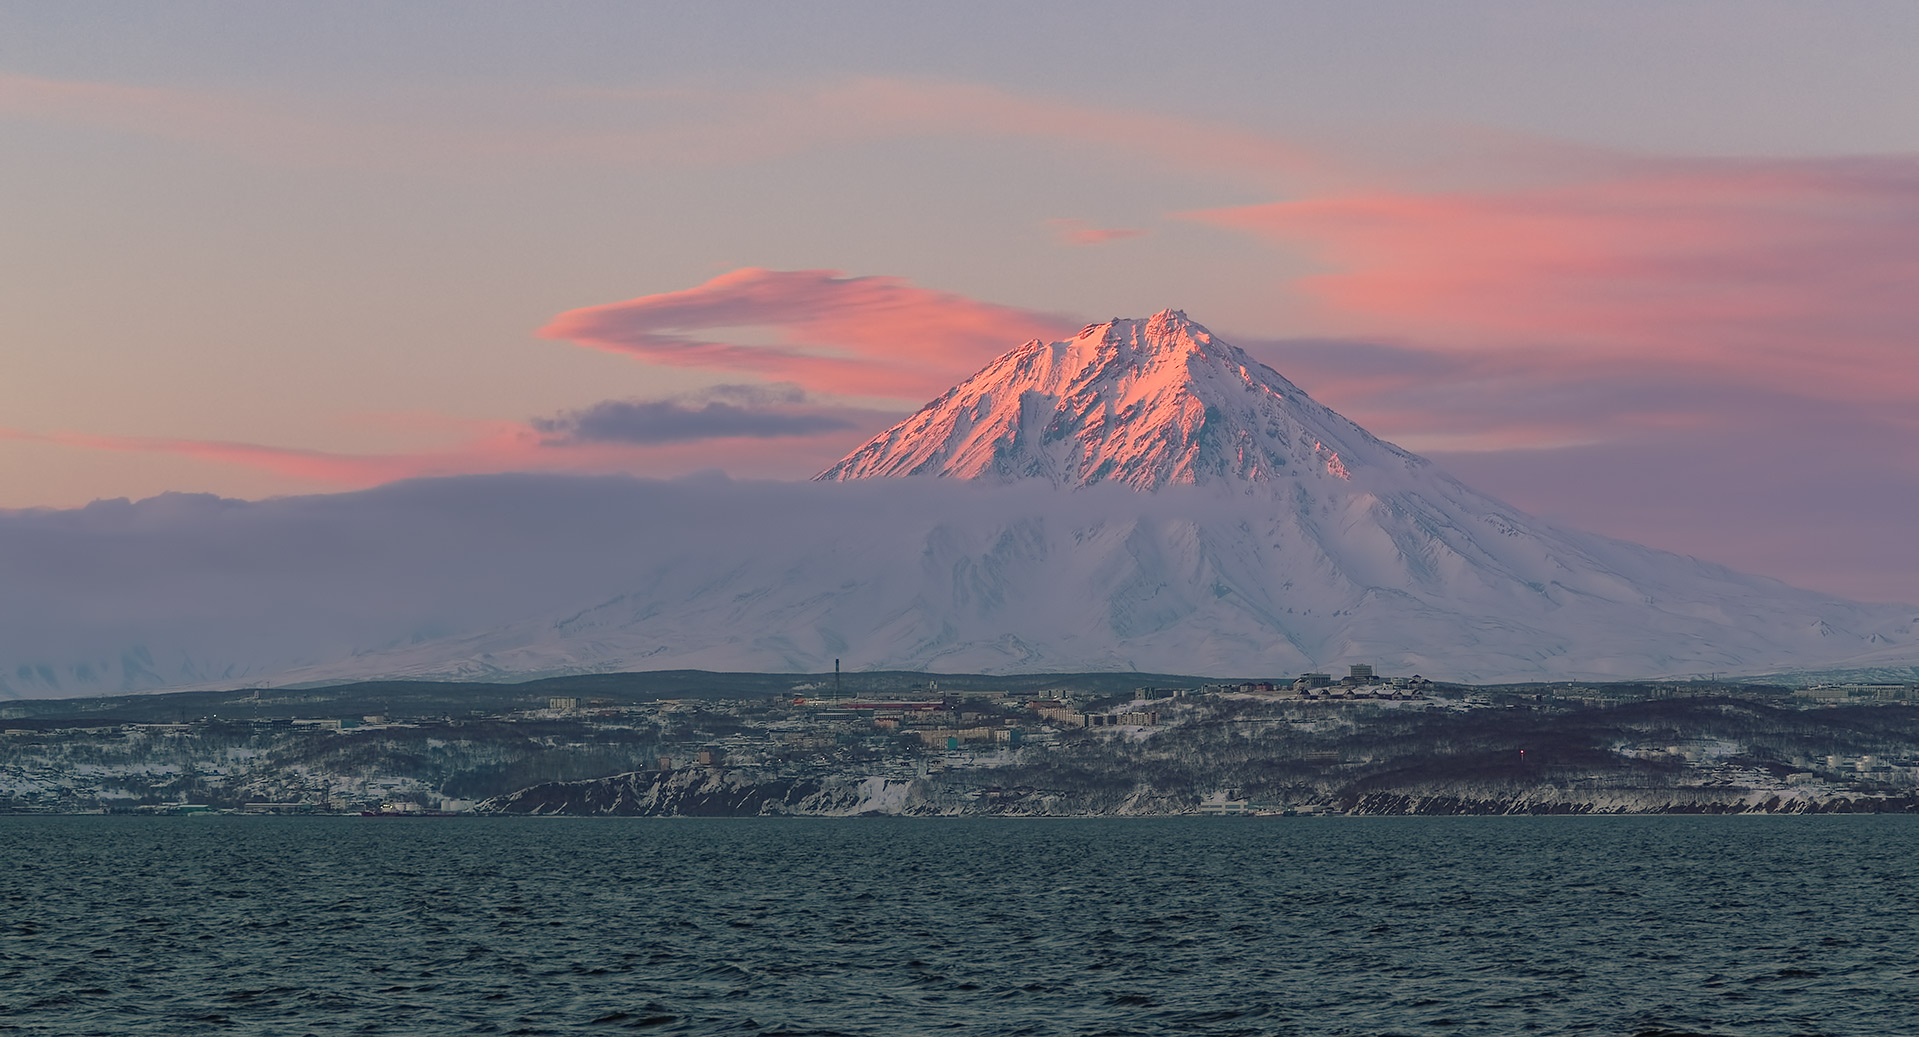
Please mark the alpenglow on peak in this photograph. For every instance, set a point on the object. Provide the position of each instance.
(1143, 403)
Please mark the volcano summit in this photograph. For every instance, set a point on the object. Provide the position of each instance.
(1147, 404)
(1142, 496)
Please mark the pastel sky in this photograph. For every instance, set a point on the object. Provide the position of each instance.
(1651, 269)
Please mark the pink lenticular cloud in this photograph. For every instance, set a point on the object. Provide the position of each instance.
(1774, 273)
(871, 336)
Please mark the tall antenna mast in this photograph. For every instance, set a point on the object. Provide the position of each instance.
(836, 680)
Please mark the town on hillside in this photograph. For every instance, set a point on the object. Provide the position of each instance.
(1359, 743)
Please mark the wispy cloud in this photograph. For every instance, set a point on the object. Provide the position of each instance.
(917, 107)
(650, 127)
(132, 108)
(493, 447)
(718, 127)
(249, 126)
(872, 336)
(1079, 232)
(764, 430)
(719, 412)
(1499, 399)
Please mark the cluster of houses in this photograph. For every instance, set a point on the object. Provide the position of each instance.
(1842, 694)
(1009, 719)
(1360, 682)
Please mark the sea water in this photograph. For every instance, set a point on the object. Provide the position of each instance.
(1623, 925)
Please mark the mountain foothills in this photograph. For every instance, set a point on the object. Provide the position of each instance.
(1142, 496)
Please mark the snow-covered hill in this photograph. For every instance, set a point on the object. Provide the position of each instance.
(1141, 496)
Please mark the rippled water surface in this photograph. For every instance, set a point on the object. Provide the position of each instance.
(1743, 925)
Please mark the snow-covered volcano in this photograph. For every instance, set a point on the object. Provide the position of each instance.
(1142, 497)
(1144, 403)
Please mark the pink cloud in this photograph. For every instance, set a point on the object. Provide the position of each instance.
(1785, 274)
(1078, 232)
(871, 336)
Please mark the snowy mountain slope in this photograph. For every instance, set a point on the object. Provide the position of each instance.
(1017, 578)
(984, 578)
(1140, 497)
(1145, 403)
